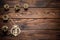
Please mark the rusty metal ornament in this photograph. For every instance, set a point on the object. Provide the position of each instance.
(17, 7)
(5, 18)
(6, 7)
(15, 30)
(26, 6)
(4, 28)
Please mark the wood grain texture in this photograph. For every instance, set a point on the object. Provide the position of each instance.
(34, 3)
(43, 3)
(33, 13)
(34, 24)
(34, 35)
(40, 22)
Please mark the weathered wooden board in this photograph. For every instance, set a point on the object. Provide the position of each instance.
(34, 24)
(40, 22)
(43, 3)
(34, 3)
(34, 35)
(33, 13)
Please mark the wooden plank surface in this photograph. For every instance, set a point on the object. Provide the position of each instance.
(34, 3)
(36, 23)
(43, 3)
(34, 35)
(33, 13)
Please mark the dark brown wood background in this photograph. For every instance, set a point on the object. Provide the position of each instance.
(40, 22)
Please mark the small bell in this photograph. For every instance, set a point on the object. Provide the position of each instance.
(5, 18)
(17, 7)
(6, 7)
(26, 6)
(4, 30)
